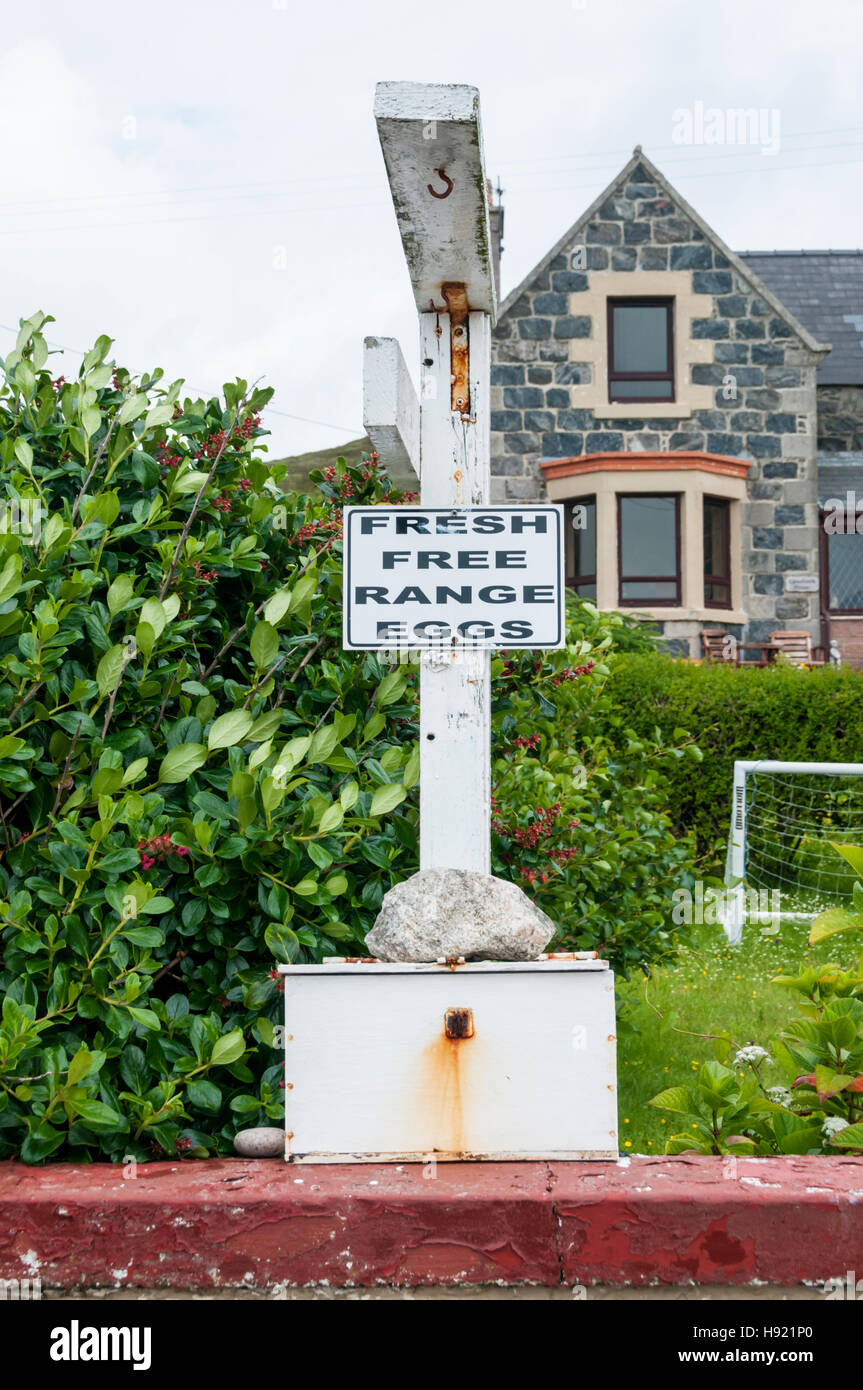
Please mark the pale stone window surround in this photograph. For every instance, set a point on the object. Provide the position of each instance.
(660, 284)
(694, 476)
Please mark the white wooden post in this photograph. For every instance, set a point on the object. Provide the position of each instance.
(432, 145)
(351, 1096)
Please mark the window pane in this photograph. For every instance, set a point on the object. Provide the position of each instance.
(717, 593)
(716, 536)
(648, 589)
(641, 390)
(582, 521)
(845, 562)
(640, 337)
(648, 536)
(586, 591)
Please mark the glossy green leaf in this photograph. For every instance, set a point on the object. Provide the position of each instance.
(181, 762)
(228, 1048)
(387, 798)
(110, 668)
(230, 729)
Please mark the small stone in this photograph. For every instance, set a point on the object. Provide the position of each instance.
(451, 912)
(265, 1142)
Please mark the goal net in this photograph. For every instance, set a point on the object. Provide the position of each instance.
(780, 860)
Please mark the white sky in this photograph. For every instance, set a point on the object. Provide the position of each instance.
(160, 162)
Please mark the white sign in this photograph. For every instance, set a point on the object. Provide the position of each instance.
(801, 583)
(432, 577)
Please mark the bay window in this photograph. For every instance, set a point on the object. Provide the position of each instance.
(581, 547)
(717, 552)
(648, 549)
(663, 533)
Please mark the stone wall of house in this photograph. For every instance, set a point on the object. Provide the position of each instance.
(840, 419)
(762, 375)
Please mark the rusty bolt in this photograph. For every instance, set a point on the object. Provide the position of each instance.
(458, 1023)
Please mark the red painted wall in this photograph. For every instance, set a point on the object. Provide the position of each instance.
(233, 1222)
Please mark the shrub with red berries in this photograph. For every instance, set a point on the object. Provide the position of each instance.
(199, 783)
(579, 827)
(159, 848)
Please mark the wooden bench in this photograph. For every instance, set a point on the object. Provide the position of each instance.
(797, 648)
(718, 645)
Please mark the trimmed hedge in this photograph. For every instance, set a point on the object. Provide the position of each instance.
(771, 712)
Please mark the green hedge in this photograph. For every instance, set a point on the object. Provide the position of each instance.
(774, 712)
(197, 782)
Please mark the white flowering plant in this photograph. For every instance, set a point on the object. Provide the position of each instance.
(814, 1102)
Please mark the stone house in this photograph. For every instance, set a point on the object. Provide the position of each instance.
(699, 412)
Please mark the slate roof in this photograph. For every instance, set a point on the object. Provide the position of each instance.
(838, 474)
(824, 290)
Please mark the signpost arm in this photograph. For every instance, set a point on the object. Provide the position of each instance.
(391, 411)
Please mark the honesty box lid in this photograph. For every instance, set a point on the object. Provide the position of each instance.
(369, 965)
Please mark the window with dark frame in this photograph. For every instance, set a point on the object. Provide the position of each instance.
(717, 552)
(581, 546)
(648, 549)
(640, 350)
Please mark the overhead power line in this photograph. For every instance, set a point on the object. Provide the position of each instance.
(763, 167)
(281, 188)
(621, 152)
(719, 174)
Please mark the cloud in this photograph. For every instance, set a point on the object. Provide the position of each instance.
(205, 184)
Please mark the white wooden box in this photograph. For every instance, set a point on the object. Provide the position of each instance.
(375, 1068)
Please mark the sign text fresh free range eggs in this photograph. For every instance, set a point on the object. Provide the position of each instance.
(431, 576)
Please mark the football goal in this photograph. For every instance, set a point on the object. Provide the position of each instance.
(780, 861)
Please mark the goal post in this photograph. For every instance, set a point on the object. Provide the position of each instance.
(735, 862)
(784, 818)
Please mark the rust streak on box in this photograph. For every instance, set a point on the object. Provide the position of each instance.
(444, 1082)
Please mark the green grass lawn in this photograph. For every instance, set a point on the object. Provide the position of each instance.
(715, 988)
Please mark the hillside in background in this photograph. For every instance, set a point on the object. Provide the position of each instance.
(301, 465)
